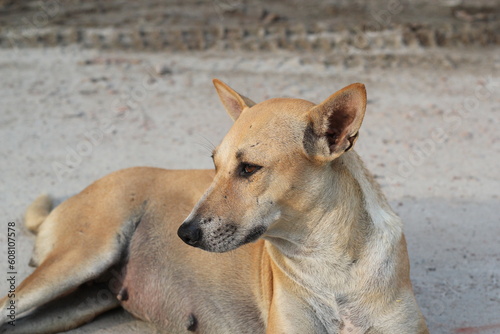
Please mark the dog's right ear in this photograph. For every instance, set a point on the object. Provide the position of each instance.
(234, 103)
(334, 123)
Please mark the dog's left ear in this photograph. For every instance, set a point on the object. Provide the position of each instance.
(334, 124)
(234, 103)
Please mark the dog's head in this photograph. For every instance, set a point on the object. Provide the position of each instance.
(271, 164)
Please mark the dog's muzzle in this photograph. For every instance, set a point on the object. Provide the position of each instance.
(190, 233)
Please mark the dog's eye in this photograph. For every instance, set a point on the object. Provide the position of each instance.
(248, 169)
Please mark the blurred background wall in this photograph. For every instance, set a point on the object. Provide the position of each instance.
(375, 32)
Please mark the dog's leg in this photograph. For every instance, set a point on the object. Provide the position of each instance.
(76, 243)
(69, 264)
(61, 272)
(65, 313)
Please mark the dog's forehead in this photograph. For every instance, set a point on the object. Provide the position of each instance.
(282, 106)
(271, 123)
(272, 115)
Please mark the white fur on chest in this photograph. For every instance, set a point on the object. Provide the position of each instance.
(334, 318)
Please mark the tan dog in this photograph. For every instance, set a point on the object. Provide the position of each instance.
(308, 243)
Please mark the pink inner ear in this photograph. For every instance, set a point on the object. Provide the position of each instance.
(234, 107)
(337, 120)
(342, 114)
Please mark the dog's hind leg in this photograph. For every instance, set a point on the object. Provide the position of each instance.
(65, 313)
(58, 274)
(78, 246)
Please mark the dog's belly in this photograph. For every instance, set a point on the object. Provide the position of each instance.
(184, 289)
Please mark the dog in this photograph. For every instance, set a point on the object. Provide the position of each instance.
(288, 234)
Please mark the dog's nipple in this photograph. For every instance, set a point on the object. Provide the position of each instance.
(192, 323)
(122, 295)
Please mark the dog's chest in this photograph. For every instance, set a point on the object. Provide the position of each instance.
(336, 318)
(350, 328)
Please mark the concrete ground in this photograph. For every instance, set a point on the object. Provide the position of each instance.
(430, 135)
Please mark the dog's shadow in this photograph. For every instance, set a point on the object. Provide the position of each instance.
(454, 252)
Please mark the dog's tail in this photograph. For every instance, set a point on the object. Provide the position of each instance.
(37, 212)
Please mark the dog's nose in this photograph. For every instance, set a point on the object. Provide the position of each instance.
(190, 233)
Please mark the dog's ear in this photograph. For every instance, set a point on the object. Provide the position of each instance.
(232, 101)
(334, 124)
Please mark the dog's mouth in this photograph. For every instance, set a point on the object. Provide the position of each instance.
(226, 238)
(220, 239)
(254, 234)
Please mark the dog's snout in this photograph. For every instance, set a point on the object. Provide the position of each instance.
(190, 233)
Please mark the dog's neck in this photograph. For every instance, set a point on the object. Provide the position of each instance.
(352, 223)
(343, 248)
